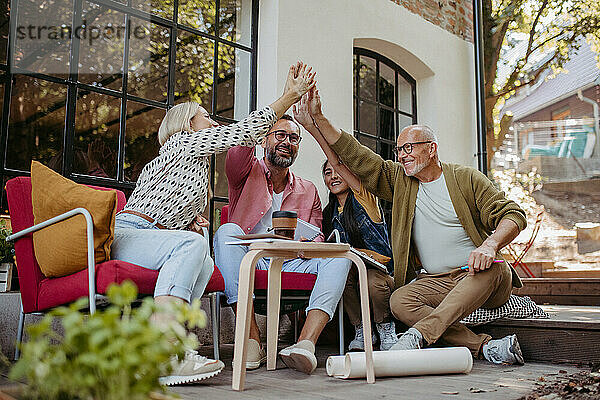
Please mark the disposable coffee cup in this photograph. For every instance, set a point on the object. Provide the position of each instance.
(284, 223)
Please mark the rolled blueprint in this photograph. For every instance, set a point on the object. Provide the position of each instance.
(448, 360)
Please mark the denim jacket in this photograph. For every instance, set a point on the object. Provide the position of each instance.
(374, 234)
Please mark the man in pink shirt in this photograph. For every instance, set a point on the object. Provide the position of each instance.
(256, 189)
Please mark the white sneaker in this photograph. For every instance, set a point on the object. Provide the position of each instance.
(387, 335)
(503, 351)
(192, 368)
(300, 356)
(358, 343)
(410, 340)
(256, 355)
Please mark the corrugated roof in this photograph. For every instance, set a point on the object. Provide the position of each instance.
(581, 71)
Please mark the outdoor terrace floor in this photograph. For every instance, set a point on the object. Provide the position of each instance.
(492, 381)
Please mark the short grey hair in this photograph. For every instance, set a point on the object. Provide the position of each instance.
(426, 132)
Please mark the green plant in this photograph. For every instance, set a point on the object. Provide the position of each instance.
(7, 249)
(116, 353)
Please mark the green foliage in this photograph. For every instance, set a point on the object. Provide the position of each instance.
(114, 354)
(7, 249)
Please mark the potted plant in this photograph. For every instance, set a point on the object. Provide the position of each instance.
(116, 353)
(7, 251)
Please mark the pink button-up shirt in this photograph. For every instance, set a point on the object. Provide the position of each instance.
(251, 191)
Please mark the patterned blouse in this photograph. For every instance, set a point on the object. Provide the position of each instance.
(172, 188)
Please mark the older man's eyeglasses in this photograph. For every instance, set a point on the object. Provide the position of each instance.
(407, 147)
(280, 136)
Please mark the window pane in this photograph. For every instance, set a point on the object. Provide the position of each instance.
(368, 118)
(387, 151)
(96, 133)
(233, 84)
(366, 76)
(217, 215)
(101, 48)
(199, 14)
(369, 142)
(163, 8)
(235, 20)
(148, 60)
(404, 95)
(141, 141)
(221, 189)
(404, 121)
(36, 124)
(194, 69)
(387, 81)
(42, 39)
(386, 124)
(4, 23)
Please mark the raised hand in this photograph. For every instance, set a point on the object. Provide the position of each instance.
(302, 113)
(314, 102)
(300, 80)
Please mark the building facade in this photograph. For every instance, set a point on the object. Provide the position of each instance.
(84, 84)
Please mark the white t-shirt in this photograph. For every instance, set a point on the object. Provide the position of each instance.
(440, 239)
(265, 223)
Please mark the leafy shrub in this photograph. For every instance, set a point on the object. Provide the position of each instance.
(7, 249)
(116, 353)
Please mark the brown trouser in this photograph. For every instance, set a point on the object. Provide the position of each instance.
(381, 286)
(434, 304)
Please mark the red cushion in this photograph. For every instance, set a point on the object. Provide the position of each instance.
(289, 280)
(57, 291)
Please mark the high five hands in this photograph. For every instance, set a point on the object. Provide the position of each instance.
(300, 79)
(307, 109)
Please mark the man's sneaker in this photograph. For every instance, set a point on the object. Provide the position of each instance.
(503, 351)
(358, 343)
(300, 356)
(387, 335)
(256, 355)
(409, 340)
(192, 368)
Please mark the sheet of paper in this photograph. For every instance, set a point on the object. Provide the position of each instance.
(306, 230)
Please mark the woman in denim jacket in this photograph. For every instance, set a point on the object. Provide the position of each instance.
(356, 215)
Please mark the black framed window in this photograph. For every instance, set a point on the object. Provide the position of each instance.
(385, 102)
(84, 84)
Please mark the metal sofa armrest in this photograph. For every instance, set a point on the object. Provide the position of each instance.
(90, 245)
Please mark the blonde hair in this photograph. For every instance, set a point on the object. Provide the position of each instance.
(177, 119)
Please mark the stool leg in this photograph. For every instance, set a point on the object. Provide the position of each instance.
(243, 316)
(273, 303)
(341, 325)
(19, 333)
(215, 310)
(366, 314)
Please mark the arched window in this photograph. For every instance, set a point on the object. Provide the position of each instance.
(385, 101)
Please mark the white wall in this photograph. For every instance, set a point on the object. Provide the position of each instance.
(323, 34)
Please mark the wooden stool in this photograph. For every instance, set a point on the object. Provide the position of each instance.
(279, 252)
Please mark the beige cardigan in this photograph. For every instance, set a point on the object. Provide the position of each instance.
(478, 204)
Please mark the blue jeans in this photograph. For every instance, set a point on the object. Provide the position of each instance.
(181, 257)
(331, 272)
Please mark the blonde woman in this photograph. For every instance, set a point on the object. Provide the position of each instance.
(156, 228)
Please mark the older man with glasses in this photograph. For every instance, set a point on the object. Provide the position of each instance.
(448, 224)
(257, 188)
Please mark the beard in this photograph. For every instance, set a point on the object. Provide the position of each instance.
(416, 168)
(278, 161)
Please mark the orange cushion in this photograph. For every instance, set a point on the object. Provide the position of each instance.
(61, 249)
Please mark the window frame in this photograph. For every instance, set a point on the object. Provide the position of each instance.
(357, 99)
(8, 72)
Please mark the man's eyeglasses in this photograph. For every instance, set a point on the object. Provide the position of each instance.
(407, 147)
(280, 136)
